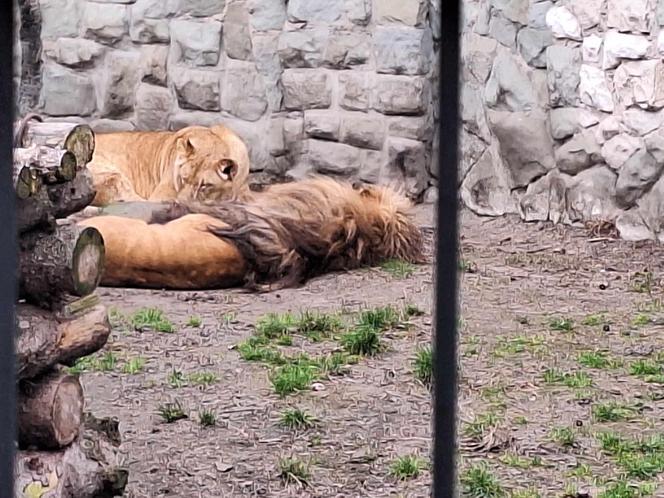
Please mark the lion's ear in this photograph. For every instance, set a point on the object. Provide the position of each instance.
(184, 145)
(227, 169)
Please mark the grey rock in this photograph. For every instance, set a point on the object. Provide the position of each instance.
(199, 43)
(119, 82)
(485, 190)
(413, 127)
(645, 221)
(407, 164)
(632, 227)
(322, 124)
(525, 144)
(269, 65)
(202, 8)
(276, 144)
(642, 122)
(472, 111)
(306, 89)
(472, 148)
(293, 130)
(244, 92)
(347, 49)
(580, 152)
(636, 176)
(267, 15)
(153, 107)
(73, 52)
(401, 95)
(430, 196)
(332, 158)
(365, 131)
(632, 15)
(106, 23)
(563, 23)
(594, 90)
(237, 35)
(588, 13)
(654, 143)
(544, 199)
(66, 93)
(395, 11)
(154, 64)
(502, 30)
(196, 89)
(563, 64)
(434, 18)
(358, 11)
(111, 125)
(60, 18)
(373, 162)
(532, 45)
(590, 196)
(608, 129)
(400, 50)
(537, 14)
(510, 85)
(591, 48)
(150, 20)
(323, 11)
(303, 48)
(515, 10)
(354, 90)
(660, 12)
(618, 46)
(566, 121)
(478, 56)
(640, 83)
(434, 162)
(483, 19)
(617, 150)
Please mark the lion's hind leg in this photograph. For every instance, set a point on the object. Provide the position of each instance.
(112, 186)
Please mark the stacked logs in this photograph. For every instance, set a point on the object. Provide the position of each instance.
(62, 451)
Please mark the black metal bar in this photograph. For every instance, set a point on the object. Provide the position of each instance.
(8, 256)
(445, 346)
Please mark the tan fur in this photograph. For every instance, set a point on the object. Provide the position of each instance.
(194, 163)
(276, 238)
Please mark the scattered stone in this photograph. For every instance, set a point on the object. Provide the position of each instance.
(267, 15)
(401, 50)
(323, 11)
(593, 88)
(590, 195)
(619, 46)
(401, 95)
(632, 227)
(644, 221)
(525, 144)
(566, 121)
(150, 20)
(198, 43)
(563, 23)
(106, 23)
(532, 45)
(640, 83)
(544, 199)
(153, 107)
(485, 189)
(322, 124)
(629, 15)
(365, 131)
(590, 48)
(580, 152)
(73, 52)
(119, 82)
(196, 89)
(619, 148)
(510, 85)
(636, 176)
(59, 18)
(154, 64)
(563, 65)
(203, 8)
(411, 13)
(354, 90)
(237, 36)
(303, 48)
(306, 89)
(502, 30)
(407, 164)
(244, 92)
(66, 93)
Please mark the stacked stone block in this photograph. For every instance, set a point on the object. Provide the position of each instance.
(339, 87)
(562, 109)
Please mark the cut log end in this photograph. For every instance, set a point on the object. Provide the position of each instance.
(78, 139)
(81, 142)
(26, 182)
(88, 261)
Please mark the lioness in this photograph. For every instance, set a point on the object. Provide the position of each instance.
(193, 163)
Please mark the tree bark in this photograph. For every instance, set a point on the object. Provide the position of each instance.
(69, 261)
(50, 411)
(43, 341)
(79, 139)
(52, 164)
(54, 201)
(89, 468)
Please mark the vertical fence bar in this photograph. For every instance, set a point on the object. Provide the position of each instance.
(445, 345)
(8, 256)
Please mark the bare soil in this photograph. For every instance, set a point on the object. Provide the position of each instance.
(533, 298)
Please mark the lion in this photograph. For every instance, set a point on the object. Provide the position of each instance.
(193, 163)
(278, 238)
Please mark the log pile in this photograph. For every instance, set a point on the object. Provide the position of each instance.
(62, 451)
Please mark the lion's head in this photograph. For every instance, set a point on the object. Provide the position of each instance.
(208, 166)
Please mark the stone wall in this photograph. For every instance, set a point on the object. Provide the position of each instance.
(563, 104)
(341, 87)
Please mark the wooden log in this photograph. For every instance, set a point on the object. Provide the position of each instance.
(44, 340)
(92, 467)
(27, 182)
(79, 139)
(69, 261)
(50, 411)
(52, 164)
(54, 201)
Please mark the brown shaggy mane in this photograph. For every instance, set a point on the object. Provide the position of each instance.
(295, 231)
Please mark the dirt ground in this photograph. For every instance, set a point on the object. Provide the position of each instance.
(559, 359)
